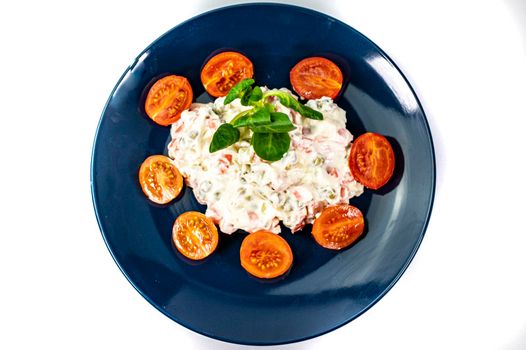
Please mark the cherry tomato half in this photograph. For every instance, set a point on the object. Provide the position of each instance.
(265, 254)
(372, 160)
(195, 236)
(225, 70)
(159, 179)
(167, 98)
(315, 77)
(338, 226)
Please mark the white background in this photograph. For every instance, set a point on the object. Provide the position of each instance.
(59, 287)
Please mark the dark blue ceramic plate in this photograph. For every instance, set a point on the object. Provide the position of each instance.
(324, 289)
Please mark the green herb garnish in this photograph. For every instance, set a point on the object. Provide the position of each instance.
(256, 95)
(288, 101)
(269, 146)
(279, 122)
(270, 129)
(239, 90)
(257, 118)
(224, 136)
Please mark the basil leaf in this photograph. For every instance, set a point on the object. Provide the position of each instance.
(270, 107)
(245, 96)
(241, 115)
(280, 123)
(288, 101)
(256, 95)
(259, 117)
(271, 147)
(224, 136)
(310, 113)
(238, 90)
(262, 116)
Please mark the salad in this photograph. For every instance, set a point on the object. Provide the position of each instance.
(258, 157)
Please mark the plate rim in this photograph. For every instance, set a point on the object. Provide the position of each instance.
(404, 266)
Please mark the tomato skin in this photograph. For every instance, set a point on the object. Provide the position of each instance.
(160, 180)
(194, 235)
(264, 254)
(168, 98)
(372, 160)
(338, 226)
(224, 70)
(315, 77)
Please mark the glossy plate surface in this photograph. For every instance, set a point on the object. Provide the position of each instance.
(324, 289)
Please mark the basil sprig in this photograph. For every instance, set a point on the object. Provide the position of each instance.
(270, 129)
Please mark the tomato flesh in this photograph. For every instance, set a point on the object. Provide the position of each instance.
(194, 235)
(372, 160)
(167, 98)
(338, 226)
(160, 180)
(315, 77)
(225, 70)
(265, 254)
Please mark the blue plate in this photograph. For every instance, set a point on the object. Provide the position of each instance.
(324, 289)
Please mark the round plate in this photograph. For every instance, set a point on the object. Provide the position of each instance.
(324, 289)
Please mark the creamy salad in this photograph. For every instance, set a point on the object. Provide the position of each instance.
(242, 191)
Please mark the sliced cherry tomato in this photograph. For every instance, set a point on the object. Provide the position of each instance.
(338, 226)
(225, 70)
(315, 77)
(265, 254)
(372, 160)
(195, 236)
(167, 98)
(160, 180)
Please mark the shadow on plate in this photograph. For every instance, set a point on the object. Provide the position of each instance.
(398, 170)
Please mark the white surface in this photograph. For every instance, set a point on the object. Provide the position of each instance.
(61, 289)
